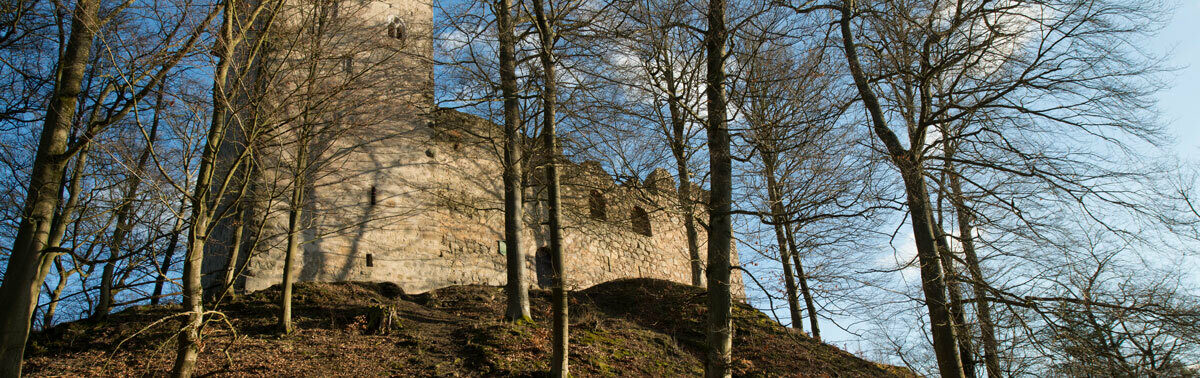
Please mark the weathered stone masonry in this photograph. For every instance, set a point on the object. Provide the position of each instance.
(416, 198)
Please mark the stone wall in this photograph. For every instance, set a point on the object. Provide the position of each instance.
(404, 194)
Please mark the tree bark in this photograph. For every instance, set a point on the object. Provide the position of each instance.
(189, 337)
(559, 366)
(58, 231)
(517, 287)
(21, 289)
(686, 204)
(720, 237)
(161, 280)
(983, 311)
(957, 314)
(945, 343)
(778, 218)
(678, 142)
(295, 211)
(803, 278)
(235, 249)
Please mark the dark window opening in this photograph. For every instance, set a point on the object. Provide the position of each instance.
(372, 196)
(370, 260)
(396, 28)
(598, 205)
(545, 267)
(641, 221)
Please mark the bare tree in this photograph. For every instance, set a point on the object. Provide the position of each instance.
(517, 287)
(546, 26)
(210, 185)
(30, 258)
(719, 327)
(909, 163)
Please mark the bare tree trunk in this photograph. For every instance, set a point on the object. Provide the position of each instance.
(983, 311)
(189, 337)
(933, 282)
(517, 287)
(777, 217)
(956, 305)
(678, 142)
(945, 343)
(20, 289)
(689, 223)
(105, 299)
(295, 211)
(720, 237)
(159, 282)
(124, 223)
(235, 249)
(803, 278)
(64, 278)
(58, 231)
(559, 366)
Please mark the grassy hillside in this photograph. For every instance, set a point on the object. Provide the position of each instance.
(638, 327)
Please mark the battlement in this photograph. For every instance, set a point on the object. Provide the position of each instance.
(453, 129)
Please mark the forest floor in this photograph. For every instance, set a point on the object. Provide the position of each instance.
(633, 327)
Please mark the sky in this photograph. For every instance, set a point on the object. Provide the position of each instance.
(1181, 38)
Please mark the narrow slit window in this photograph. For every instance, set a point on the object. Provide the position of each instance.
(372, 196)
(370, 260)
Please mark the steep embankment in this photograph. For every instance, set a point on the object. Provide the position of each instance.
(639, 327)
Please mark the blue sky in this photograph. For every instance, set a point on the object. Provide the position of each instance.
(1180, 103)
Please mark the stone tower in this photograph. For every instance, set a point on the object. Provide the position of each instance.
(398, 191)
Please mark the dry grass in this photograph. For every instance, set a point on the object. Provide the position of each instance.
(637, 327)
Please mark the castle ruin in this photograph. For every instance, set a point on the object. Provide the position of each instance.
(396, 190)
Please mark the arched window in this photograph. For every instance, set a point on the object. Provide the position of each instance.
(641, 221)
(396, 29)
(598, 205)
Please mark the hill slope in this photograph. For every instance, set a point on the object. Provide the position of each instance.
(637, 327)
